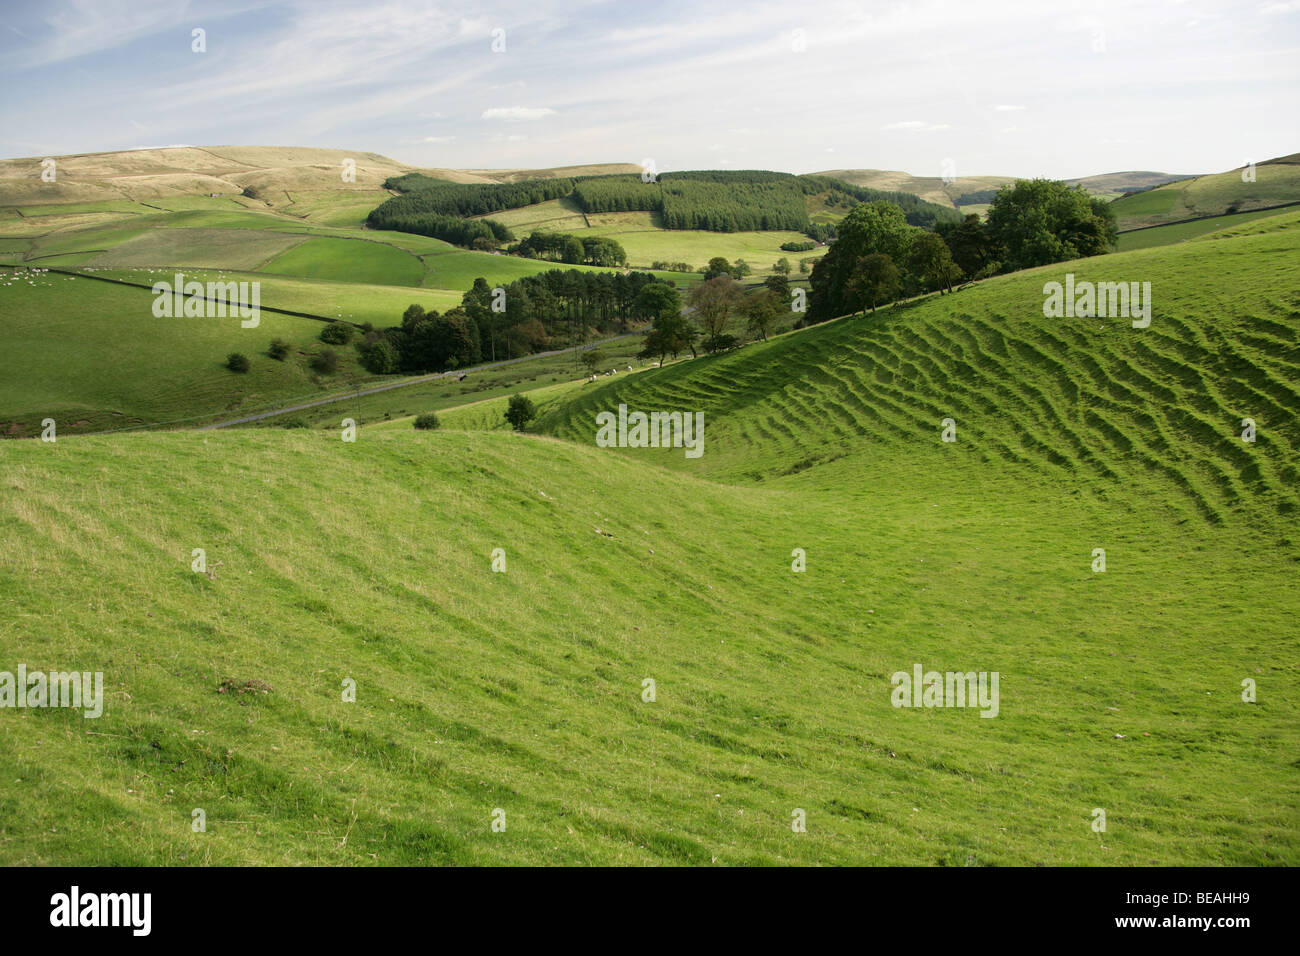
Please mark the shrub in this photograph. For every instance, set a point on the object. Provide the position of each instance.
(426, 421)
(326, 362)
(798, 246)
(336, 333)
(520, 412)
(279, 349)
(237, 362)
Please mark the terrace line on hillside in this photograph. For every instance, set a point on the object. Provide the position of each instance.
(1111, 300)
(653, 430)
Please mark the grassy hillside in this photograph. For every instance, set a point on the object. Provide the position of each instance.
(522, 691)
(1093, 403)
(477, 402)
(1114, 184)
(555, 172)
(478, 691)
(146, 174)
(646, 241)
(118, 365)
(304, 182)
(92, 356)
(212, 234)
(1277, 181)
(1182, 231)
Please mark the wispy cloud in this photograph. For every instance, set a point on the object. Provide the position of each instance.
(594, 81)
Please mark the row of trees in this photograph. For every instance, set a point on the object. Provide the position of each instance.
(431, 195)
(531, 314)
(478, 233)
(719, 266)
(560, 304)
(574, 250)
(686, 203)
(729, 201)
(879, 257)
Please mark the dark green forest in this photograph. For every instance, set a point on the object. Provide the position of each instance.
(712, 200)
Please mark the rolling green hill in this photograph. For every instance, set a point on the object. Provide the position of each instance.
(522, 692)
(1181, 231)
(1276, 182)
(1094, 403)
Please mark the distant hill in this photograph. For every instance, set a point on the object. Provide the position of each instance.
(935, 189)
(1276, 182)
(1126, 182)
(516, 175)
(189, 171)
(272, 171)
(930, 188)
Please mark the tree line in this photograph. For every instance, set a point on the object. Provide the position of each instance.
(733, 206)
(473, 199)
(879, 257)
(571, 249)
(743, 200)
(474, 233)
(559, 307)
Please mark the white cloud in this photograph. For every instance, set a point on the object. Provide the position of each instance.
(371, 73)
(512, 114)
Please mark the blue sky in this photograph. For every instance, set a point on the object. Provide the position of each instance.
(1028, 87)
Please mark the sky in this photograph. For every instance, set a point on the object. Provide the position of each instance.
(1019, 88)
